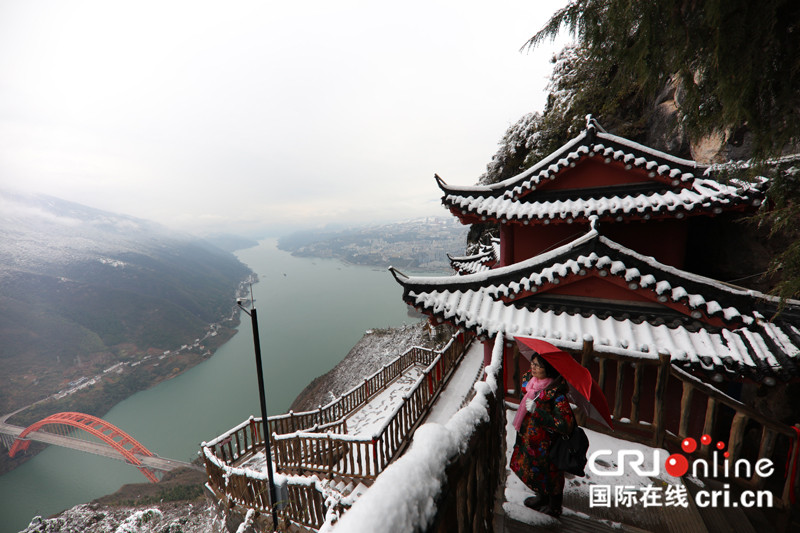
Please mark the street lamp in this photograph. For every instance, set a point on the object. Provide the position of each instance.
(267, 448)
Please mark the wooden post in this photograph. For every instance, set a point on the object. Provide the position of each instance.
(708, 425)
(601, 376)
(686, 403)
(637, 390)
(329, 458)
(618, 390)
(586, 352)
(737, 433)
(664, 360)
(765, 449)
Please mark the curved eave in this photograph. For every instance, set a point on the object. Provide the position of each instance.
(704, 198)
(735, 354)
(714, 303)
(590, 143)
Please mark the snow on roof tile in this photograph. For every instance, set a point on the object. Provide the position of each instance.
(482, 261)
(474, 301)
(701, 196)
(588, 143)
(698, 293)
(721, 351)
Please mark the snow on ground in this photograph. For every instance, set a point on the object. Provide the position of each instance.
(452, 397)
(369, 419)
(159, 518)
(376, 348)
(516, 491)
(403, 497)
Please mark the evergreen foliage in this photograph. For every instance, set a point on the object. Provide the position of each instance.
(733, 67)
(737, 61)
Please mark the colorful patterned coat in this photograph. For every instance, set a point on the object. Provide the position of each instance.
(551, 418)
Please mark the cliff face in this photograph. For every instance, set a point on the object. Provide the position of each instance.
(376, 348)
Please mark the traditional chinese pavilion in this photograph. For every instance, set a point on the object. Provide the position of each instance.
(593, 242)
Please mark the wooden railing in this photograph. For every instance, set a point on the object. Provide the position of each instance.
(636, 422)
(775, 441)
(247, 439)
(365, 457)
(474, 474)
(240, 486)
(355, 398)
(322, 445)
(462, 477)
(678, 405)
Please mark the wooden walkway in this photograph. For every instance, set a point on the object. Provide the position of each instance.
(511, 516)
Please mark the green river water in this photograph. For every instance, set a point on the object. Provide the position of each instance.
(310, 311)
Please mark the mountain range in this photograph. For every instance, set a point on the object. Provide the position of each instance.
(82, 289)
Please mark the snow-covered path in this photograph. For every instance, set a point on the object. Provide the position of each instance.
(612, 517)
(459, 386)
(370, 418)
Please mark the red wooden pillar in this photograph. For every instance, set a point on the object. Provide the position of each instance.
(487, 353)
(506, 245)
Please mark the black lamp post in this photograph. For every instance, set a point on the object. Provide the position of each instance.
(268, 449)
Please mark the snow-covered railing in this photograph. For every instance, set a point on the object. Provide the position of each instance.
(447, 479)
(659, 404)
(325, 448)
(247, 439)
(356, 397)
(249, 489)
(773, 440)
(328, 417)
(358, 457)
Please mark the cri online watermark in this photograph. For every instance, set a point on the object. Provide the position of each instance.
(677, 465)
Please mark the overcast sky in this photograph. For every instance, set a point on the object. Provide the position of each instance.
(228, 116)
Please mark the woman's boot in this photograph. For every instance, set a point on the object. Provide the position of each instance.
(554, 506)
(538, 502)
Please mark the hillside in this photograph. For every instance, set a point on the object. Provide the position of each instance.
(420, 244)
(376, 348)
(83, 290)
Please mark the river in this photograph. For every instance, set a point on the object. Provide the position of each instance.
(310, 312)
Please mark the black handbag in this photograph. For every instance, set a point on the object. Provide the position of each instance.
(568, 453)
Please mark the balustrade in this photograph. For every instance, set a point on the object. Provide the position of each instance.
(653, 402)
(316, 442)
(694, 408)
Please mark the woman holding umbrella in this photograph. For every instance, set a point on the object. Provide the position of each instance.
(544, 414)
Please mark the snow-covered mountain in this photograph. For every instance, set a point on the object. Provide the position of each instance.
(77, 284)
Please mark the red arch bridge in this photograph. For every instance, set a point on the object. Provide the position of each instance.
(113, 442)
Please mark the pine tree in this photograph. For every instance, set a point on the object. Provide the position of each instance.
(736, 67)
(737, 61)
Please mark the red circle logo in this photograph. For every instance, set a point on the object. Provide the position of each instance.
(676, 465)
(689, 445)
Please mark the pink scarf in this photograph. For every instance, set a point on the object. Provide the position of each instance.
(535, 386)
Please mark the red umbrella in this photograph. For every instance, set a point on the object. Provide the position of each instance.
(584, 390)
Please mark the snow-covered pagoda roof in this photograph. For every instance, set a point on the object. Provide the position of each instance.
(483, 260)
(660, 186)
(703, 324)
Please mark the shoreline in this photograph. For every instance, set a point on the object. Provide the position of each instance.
(84, 397)
(416, 270)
